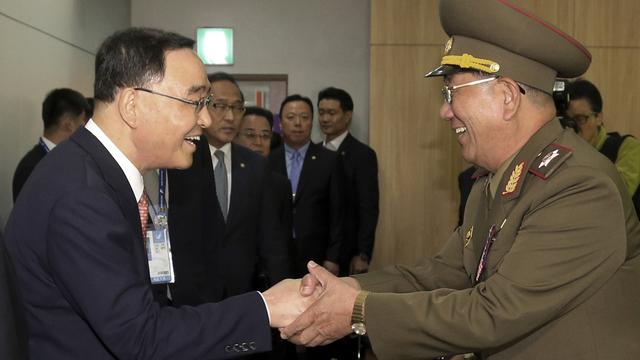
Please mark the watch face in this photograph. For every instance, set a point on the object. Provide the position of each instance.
(358, 328)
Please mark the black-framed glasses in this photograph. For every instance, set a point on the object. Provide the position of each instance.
(221, 108)
(447, 91)
(582, 119)
(254, 135)
(199, 104)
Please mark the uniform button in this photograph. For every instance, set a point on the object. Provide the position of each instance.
(228, 348)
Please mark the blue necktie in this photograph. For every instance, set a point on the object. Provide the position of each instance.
(294, 172)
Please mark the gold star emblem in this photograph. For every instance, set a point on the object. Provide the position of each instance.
(468, 236)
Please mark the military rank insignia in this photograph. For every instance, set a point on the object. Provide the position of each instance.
(468, 236)
(549, 160)
(514, 179)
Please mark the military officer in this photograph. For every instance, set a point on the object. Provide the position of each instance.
(546, 264)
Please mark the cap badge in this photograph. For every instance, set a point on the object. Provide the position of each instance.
(512, 184)
(468, 237)
(448, 45)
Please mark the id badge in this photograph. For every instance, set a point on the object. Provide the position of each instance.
(158, 248)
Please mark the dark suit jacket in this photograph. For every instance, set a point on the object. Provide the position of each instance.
(317, 208)
(25, 167)
(213, 259)
(75, 238)
(360, 168)
(13, 327)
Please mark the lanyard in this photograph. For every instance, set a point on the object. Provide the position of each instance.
(44, 146)
(162, 189)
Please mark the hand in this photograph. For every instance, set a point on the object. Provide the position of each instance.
(286, 302)
(358, 265)
(329, 318)
(332, 267)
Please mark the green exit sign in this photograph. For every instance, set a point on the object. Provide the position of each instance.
(215, 45)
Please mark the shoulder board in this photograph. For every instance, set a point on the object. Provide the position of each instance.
(549, 160)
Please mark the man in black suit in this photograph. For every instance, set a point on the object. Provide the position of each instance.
(316, 181)
(217, 252)
(13, 327)
(360, 164)
(76, 233)
(255, 133)
(63, 112)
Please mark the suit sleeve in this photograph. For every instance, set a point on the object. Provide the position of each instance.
(91, 255)
(337, 204)
(368, 197)
(555, 263)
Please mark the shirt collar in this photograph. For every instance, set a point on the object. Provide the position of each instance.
(302, 150)
(336, 142)
(50, 144)
(130, 171)
(226, 149)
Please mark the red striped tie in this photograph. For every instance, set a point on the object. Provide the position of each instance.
(143, 208)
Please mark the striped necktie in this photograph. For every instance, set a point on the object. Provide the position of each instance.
(143, 209)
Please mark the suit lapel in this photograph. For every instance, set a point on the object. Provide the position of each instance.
(238, 183)
(115, 178)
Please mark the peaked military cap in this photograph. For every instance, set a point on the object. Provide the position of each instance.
(498, 38)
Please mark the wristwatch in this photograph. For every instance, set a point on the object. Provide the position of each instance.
(357, 315)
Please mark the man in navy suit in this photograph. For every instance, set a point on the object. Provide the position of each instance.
(75, 233)
(63, 112)
(317, 184)
(217, 248)
(360, 166)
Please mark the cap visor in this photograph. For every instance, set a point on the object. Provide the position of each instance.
(443, 70)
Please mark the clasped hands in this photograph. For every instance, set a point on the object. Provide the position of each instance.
(315, 310)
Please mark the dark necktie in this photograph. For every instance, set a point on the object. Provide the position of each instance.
(220, 175)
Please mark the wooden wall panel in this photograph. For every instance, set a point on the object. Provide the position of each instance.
(406, 22)
(415, 148)
(419, 157)
(616, 73)
(608, 23)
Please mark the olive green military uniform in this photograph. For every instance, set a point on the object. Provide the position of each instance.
(546, 264)
(562, 277)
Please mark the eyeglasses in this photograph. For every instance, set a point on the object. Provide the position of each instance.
(582, 119)
(199, 104)
(221, 108)
(253, 135)
(447, 92)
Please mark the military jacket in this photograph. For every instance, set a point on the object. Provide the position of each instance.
(560, 275)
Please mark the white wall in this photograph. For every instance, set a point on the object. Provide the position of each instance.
(45, 44)
(317, 43)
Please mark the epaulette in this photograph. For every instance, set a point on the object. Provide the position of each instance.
(549, 160)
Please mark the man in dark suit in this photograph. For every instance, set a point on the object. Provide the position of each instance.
(13, 327)
(360, 167)
(75, 233)
(217, 252)
(255, 132)
(63, 112)
(316, 181)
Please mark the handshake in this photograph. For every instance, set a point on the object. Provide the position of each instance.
(315, 310)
